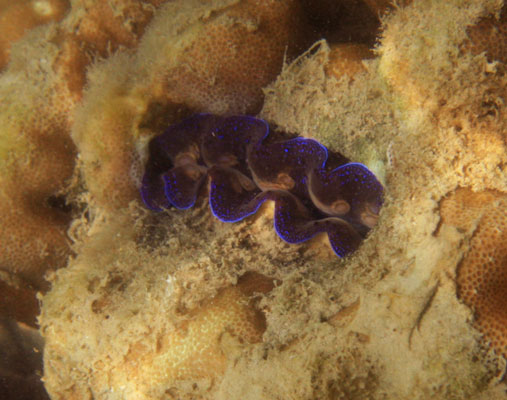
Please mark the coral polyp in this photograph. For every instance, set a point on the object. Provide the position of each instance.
(246, 168)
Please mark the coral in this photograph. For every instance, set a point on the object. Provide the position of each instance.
(347, 59)
(417, 83)
(223, 64)
(467, 111)
(245, 171)
(16, 18)
(36, 158)
(207, 57)
(108, 25)
(482, 274)
(440, 128)
(386, 322)
(44, 82)
(489, 35)
(193, 343)
(194, 350)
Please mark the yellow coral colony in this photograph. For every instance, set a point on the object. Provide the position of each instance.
(209, 57)
(482, 274)
(178, 304)
(43, 84)
(17, 17)
(195, 350)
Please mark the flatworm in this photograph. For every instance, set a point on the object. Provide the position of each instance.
(245, 168)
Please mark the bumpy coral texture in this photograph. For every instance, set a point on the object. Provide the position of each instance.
(490, 35)
(346, 59)
(194, 350)
(33, 235)
(471, 111)
(392, 274)
(235, 54)
(204, 56)
(416, 83)
(482, 274)
(44, 83)
(17, 17)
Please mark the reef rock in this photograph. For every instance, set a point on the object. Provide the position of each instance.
(177, 304)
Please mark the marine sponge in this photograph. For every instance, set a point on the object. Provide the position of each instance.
(482, 273)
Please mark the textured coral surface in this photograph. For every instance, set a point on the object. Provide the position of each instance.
(190, 349)
(159, 306)
(44, 83)
(18, 17)
(207, 57)
(482, 274)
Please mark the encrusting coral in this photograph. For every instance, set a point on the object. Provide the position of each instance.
(153, 306)
(195, 349)
(346, 59)
(482, 274)
(108, 124)
(489, 35)
(108, 25)
(18, 17)
(195, 346)
(417, 84)
(212, 57)
(225, 62)
(434, 125)
(36, 158)
(44, 82)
